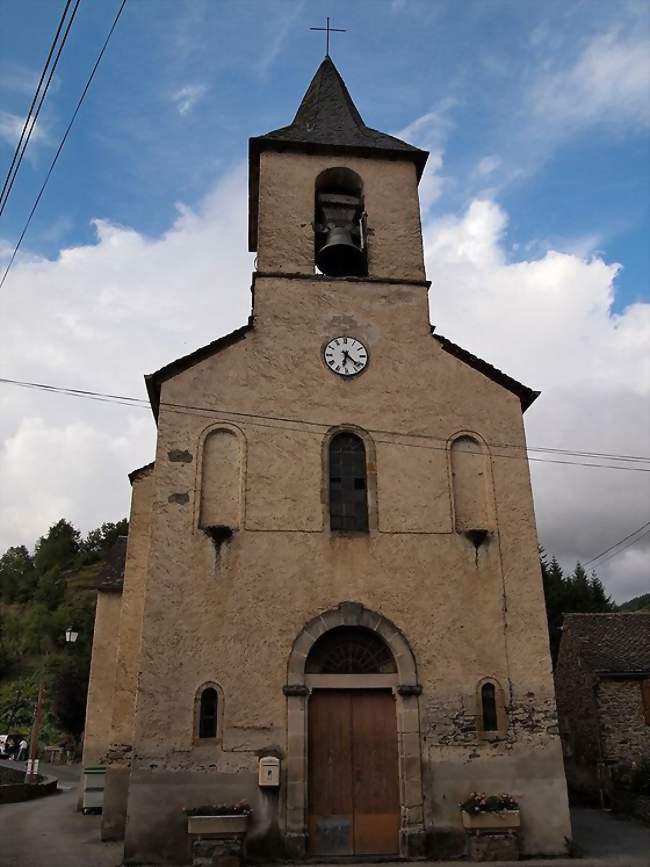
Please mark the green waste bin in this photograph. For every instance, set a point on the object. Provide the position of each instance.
(93, 790)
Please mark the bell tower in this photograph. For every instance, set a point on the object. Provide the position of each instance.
(329, 195)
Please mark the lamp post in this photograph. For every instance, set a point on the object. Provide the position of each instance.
(32, 761)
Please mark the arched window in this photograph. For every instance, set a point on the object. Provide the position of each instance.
(350, 650)
(489, 717)
(208, 713)
(348, 483)
(221, 480)
(470, 478)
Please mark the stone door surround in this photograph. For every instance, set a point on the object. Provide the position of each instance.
(406, 690)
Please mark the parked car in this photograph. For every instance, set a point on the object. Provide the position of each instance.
(9, 745)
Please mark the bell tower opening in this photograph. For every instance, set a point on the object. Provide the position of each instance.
(340, 242)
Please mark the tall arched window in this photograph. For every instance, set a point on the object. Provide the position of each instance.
(470, 478)
(348, 483)
(208, 713)
(489, 718)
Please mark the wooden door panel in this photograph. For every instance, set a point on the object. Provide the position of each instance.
(330, 813)
(374, 774)
(354, 805)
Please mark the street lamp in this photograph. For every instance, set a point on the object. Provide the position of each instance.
(32, 762)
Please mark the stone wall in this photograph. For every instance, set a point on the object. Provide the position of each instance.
(625, 733)
(230, 616)
(102, 678)
(578, 719)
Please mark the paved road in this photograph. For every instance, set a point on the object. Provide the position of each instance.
(49, 833)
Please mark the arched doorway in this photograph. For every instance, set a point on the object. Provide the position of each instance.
(354, 782)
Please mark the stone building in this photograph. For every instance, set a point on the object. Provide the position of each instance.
(333, 559)
(602, 682)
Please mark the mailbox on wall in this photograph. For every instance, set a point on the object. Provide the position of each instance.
(269, 771)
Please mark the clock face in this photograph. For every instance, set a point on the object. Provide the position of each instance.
(346, 356)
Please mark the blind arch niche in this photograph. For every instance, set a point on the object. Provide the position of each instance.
(221, 479)
(470, 474)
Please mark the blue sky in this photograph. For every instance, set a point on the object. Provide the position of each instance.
(534, 210)
(185, 82)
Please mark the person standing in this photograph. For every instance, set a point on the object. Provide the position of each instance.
(22, 751)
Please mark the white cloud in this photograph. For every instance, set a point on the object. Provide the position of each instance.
(281, 26)
(103, 314)
(548, 322)
(429, 132)
(185, 98)
(99, 317)
(487, 165)
(11, 126)
(609, 82)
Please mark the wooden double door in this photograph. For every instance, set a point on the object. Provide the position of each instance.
(354, 804)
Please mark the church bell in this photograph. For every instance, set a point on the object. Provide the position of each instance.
(340, 235)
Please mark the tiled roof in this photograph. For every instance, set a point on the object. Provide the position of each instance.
(111, 577)
(611, 643)
(327, 121)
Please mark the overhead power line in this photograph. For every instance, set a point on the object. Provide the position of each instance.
(260, 420)
(63, 141)
(37, 103)
(644, 527)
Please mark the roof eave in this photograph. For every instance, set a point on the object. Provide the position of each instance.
(154, 381)
(526, 395)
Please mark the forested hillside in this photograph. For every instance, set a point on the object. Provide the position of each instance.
(639, 603)
(42, 594)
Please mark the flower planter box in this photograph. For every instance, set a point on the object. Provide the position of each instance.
(217, 826)
(502, 820)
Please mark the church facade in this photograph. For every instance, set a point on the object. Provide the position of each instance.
(332, 563)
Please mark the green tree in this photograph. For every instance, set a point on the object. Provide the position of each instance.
(68, 690)
(58, 548)
(569, 594)
(17, 575)
(50, 591)
(555, 594)
(599, 598)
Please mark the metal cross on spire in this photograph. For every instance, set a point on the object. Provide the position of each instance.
(327, 29)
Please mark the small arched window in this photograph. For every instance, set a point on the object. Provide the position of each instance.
(489, 717)
(348, 494)
(208, 711)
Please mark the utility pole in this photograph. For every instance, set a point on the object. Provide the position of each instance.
(36, 729)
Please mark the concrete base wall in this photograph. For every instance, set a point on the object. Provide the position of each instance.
(531, 776)
(157, 828)
(116, 793)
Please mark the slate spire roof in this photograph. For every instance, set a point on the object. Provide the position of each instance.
(327, 121)
(328, 116)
